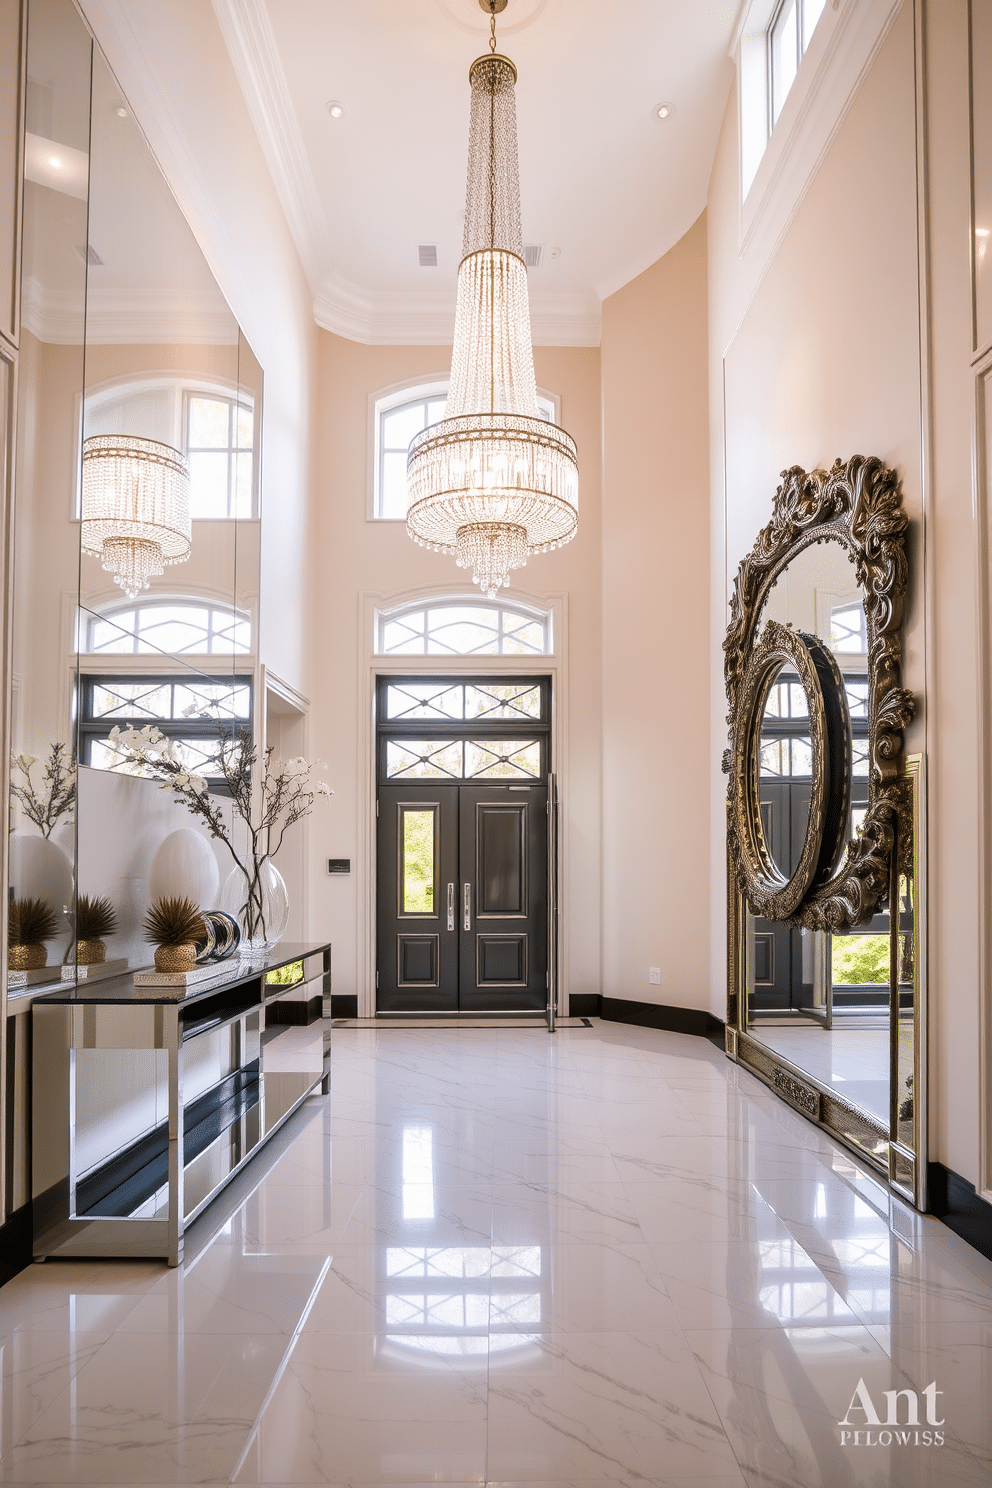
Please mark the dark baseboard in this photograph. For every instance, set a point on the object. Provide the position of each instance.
(16, 1243)
(344, 1005)
(585, 1005)
(954, 1200)
(663, 1015)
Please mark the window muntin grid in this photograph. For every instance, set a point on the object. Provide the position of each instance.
(170, 628)
(214, 426)
(785, 750)
(463, 700)
(200, 714)
(463, 759)
(460, 628)
(219, 439)
(789, 35)
(396, 424)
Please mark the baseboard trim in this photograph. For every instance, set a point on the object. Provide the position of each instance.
(956, 1203)
(584, 1005)
(344, 1005)
(664, 1016)
(16, 1243)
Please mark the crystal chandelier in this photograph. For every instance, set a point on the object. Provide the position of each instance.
(135, 507)
(492, 482)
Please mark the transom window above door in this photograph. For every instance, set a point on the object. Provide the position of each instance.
(463, 700)
(398, 417)
(463, 627)
(472, 728)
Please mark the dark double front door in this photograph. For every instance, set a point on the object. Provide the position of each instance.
(462, 878)
(462, 921)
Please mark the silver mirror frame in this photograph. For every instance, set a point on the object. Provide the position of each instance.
(859, 505)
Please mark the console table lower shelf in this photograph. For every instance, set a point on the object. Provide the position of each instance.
(143, 1109)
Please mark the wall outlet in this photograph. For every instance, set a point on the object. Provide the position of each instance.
(654, 976)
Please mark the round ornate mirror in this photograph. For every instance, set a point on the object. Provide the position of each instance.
(834, 871)
(794, 723)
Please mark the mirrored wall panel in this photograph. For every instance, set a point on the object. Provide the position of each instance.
(137, 516)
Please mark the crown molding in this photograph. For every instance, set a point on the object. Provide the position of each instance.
(427, 317)
(127, 318)
(254, 53)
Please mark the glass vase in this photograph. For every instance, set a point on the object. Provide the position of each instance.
(261, 907)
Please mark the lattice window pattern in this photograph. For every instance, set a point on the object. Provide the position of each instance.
(173, 628)
(464, 630)
(463, 759)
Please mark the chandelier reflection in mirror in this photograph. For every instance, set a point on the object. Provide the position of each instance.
(492, 482)
(135, 507)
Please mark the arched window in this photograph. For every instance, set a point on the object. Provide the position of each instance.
(212, 423)
(173, 627)
(398, 416)
(463, 626)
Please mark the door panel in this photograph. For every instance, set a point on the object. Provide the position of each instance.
(417, 943)
(462, 898)
(504, 926)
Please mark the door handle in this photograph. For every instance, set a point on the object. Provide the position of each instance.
(468, 907)
(451, 906)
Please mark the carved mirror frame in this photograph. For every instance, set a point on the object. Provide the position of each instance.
(857, 504)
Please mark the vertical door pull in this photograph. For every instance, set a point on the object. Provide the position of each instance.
(468, 906)
(451, 906)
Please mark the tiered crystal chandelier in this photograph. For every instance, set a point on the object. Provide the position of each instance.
(135, 507)
(492, 482)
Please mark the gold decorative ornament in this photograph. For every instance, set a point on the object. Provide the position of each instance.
(26, 957)
(174, 924)
(90, 952)
(30, 922)
(858, 505)
(492, 482)
(175, 958)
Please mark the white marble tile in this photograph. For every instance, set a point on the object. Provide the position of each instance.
(784, 1393)
(360, 1409)
(593, 1204)
(617, 1406)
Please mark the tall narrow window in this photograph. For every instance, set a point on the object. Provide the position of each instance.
(789, 35)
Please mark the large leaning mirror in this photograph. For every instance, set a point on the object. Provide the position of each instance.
(824, 1000)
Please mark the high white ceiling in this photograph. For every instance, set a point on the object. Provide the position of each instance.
(602, 180)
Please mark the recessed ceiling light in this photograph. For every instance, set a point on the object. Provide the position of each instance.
(663, 110)
(335, 109)
(120, 111)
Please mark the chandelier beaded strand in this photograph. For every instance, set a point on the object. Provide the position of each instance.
(492, 482)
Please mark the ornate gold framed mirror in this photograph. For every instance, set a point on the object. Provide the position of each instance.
(823, 830)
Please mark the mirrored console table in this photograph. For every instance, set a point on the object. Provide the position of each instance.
(144, 1107)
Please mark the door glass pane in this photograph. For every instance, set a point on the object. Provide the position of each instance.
(503, 700)
(424, 700)
(423, 759)
(417, 853)
(504, 759)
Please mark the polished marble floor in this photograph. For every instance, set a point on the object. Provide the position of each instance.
(493, 1256)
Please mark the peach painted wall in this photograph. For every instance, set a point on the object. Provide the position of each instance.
(353, 558)
(818, 350)
(656, 768)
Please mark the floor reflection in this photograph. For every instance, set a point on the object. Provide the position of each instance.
(493, 1257)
